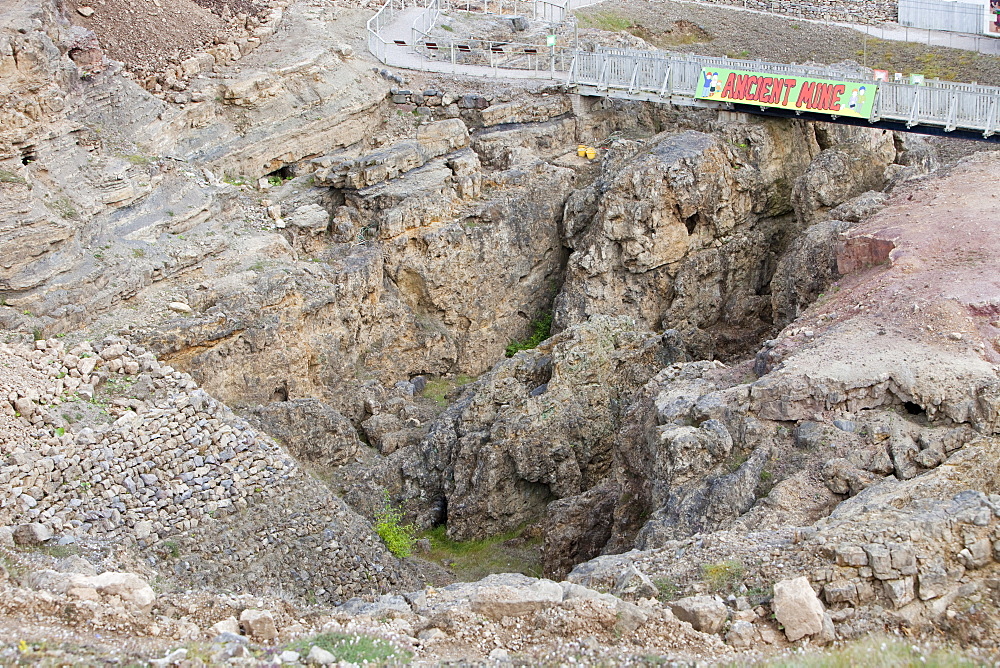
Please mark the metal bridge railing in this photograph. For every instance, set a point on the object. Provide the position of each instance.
(653, 75)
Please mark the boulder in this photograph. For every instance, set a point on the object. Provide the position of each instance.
(227, 625)
(633, 583)
(515, 601)
(742, 634)
(705, 613)
(310, 217)
(385, 606)
(6, 537)
(797, 608)
(319, 656)
(127, 586)
(259, 624)
(32, 534)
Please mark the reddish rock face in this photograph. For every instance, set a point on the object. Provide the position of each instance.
(85, 50)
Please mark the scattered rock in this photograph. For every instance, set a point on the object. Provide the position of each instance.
(319, 656)
(228, 625)
(634, 584)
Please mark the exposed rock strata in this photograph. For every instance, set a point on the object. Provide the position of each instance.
(685, 231)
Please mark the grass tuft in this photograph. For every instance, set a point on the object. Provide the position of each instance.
(541, 329)
(354, 648)
(723, 576)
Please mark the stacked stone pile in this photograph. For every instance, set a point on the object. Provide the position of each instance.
(151, 456)
(852, 11)
(157, 469)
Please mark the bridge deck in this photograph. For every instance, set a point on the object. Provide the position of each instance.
(400, 35)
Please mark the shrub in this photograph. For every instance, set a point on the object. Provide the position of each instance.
(541, 329)
(667, 589)
(723, 576)
(398, 537)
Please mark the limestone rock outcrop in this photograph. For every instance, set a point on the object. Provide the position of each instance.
(685, 231)
(538, 428)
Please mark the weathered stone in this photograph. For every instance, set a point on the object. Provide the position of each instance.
(797, 608)
(384, 606)
(977, 554)
(899, 592)
(319, 656)
(880, 561)
(259, 624)
(742, 635)
(32, 534)
(840, 592)
(227, 625)
(633, 583)
(851, 555)
(705, 613)
(515, 601)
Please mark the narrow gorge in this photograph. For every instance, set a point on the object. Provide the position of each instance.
(726, 391)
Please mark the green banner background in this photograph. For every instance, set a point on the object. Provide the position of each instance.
(821, 96)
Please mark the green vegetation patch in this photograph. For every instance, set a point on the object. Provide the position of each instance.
(398, 537)
(11, 177)
(541, 329)
(438, 389)
(605, 21)
(723, 576)
(667, 589)
(354, 648)
(472, 560)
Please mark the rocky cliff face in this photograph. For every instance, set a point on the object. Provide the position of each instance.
(686, 232)
(301, 242)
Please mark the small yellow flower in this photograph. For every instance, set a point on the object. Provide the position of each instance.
(22, 647)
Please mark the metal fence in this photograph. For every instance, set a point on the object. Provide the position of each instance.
(646, 75)
(948, 15)
(650, 75)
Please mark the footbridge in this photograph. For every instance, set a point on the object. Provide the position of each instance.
(408, 34)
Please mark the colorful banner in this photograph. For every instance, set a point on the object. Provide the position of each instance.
(785, 92)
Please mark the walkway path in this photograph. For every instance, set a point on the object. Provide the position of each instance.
(937, 107)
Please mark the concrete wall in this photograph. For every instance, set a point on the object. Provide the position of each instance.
(852, 11)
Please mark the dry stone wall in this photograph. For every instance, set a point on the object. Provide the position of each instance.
(167, 468)
(853, 11)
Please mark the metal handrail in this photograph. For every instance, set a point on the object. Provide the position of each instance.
(658, 75)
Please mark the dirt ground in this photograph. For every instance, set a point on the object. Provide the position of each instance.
(147, 36)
